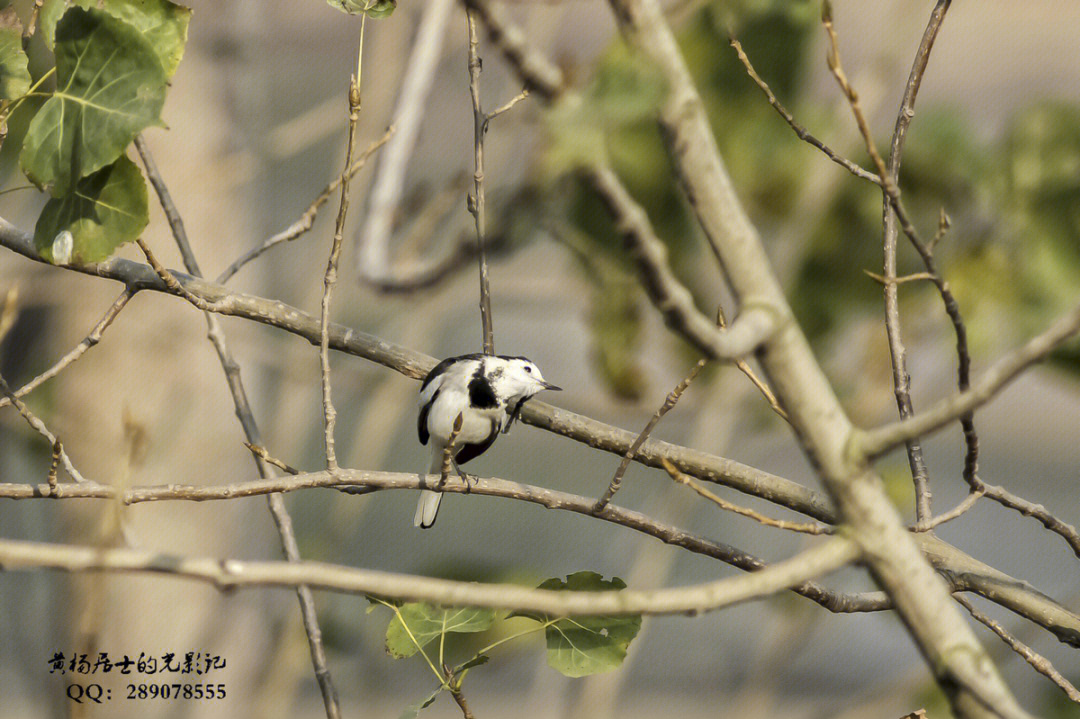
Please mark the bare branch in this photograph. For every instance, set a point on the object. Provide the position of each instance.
(508, 105)
(877, 442)
(1037, 661)
(897, 351)
(799, 130)
(752, 327)
(301, 226)
(41, 429)
(932, 522)
(669, 402)
(802, 527)
(278, 512)
(892, 191)
(477, 202)
(540, 75)
(1037, 511)
(89, 341)
(819, 560)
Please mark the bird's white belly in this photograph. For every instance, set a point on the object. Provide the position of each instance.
(476, 423)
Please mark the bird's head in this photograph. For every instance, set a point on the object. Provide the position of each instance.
(521, 378)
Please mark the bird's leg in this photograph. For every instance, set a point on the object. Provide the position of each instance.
(465, 477)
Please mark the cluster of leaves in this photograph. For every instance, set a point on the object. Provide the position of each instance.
(113, 61)
(576, 647)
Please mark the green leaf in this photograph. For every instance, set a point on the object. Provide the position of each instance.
(14, 75)
(373, 8)
(581, 646)
(413, 710)
(104, 211)
(110, 86)
(416, 624)
(163, 23)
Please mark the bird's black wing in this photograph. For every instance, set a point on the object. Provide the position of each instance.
(444, 365)
(471, 451)
(421, 420)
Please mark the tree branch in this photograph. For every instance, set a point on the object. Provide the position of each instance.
(877, 442)
(820, 559)
(901, 378)
(278, 512)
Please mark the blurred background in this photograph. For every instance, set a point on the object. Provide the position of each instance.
(256, 122)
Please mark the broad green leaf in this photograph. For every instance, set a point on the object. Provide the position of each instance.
(14, 76)
(373, 8)
(413, 710)
(110, 86)
(415, 624)
(163, 23)
(103, 211)
(580, 646)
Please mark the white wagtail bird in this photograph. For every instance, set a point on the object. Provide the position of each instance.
(488, 392)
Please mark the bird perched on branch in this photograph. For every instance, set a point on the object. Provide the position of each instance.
(488, 393)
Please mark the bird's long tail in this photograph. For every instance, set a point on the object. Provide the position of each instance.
(428, 506)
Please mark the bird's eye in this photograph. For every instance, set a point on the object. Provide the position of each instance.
(529, 370)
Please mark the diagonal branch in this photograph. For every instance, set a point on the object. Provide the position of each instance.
(280, 514)
(820, 559)
(995, 378)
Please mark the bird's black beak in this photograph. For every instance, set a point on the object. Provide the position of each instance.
(548, 385)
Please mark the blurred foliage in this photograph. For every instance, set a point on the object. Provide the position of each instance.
(1011, 256)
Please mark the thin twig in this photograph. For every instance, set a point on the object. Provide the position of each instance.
(800, 131)
(967, 503)
(747, 370)
(539, 74)
(278, 512)
(174, 284)
(897, 350)
(266, 457)
(507, 106)
(1037, 661)
(669, 402)
(995, 378)
(57, 453)
(330, 278)
(89, 341)
(886, 281)
(477, 203)
(1036, 511)
(892, 190)
(35, 422)
(803, 527)
(307, 219)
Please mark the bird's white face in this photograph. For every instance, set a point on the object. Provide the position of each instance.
(522, 378)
